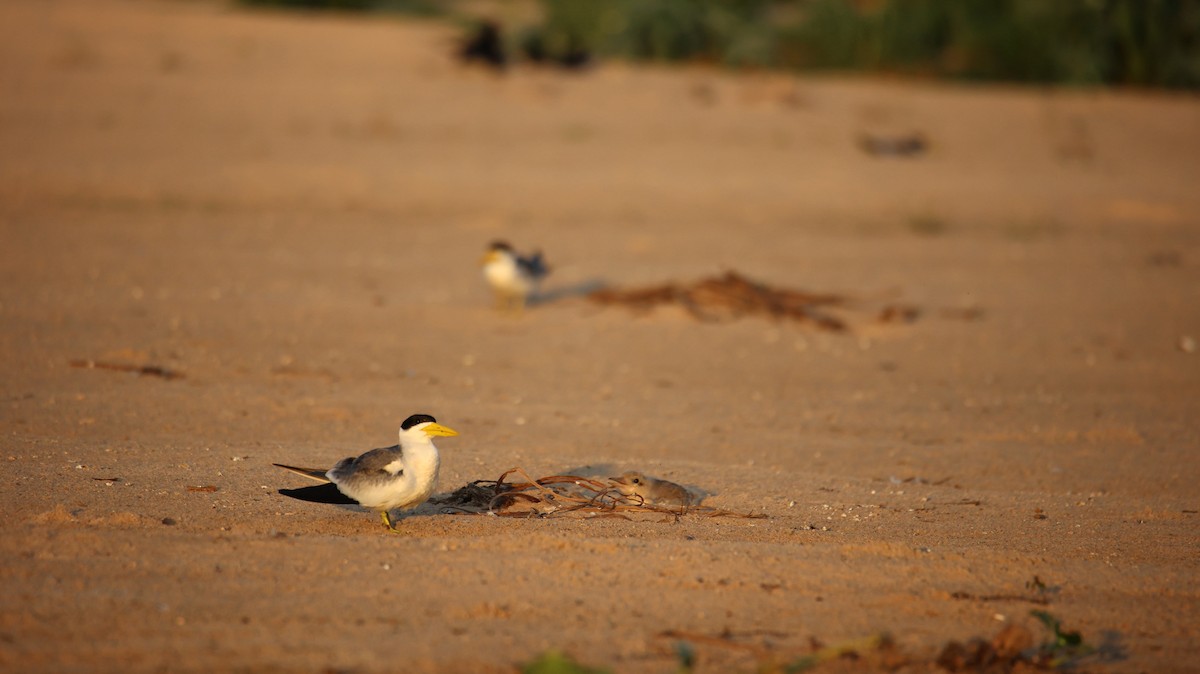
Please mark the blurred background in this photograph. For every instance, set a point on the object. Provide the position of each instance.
(1131, 42)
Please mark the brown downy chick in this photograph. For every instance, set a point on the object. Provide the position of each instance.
(652, 490)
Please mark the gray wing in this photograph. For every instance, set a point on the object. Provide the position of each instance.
(373, 463)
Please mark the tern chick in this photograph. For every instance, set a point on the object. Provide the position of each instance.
(652, 490)
(514, 278)
(398, 477)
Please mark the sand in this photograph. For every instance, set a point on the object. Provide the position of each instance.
(287, 211)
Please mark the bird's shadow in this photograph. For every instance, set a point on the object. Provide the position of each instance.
(600, 470)
(1110, 649)
(558, 293)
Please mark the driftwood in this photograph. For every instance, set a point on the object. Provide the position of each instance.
(559, 496)
(728, 297)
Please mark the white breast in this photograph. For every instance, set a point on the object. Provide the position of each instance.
(503, 273)
(409, 489)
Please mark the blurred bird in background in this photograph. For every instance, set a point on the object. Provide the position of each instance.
(515, 279)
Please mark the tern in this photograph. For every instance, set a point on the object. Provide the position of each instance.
(398, 477)
(513, 277)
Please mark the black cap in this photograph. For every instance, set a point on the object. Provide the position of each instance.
(416, 419)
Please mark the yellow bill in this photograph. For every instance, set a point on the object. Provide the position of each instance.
(438, 429)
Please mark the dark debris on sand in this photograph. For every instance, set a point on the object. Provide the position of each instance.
(559, 495)
(729, 297)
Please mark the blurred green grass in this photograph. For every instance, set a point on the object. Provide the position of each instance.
(1153, 43)
(414, 7)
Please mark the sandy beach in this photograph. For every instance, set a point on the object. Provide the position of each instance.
(232, 238)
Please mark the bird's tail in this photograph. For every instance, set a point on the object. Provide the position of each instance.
(317, 474)
(537, 265)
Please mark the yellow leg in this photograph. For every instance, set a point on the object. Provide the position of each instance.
(387, 521)
(511, 304)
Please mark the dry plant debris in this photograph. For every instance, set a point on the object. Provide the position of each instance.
(142, 370)
(1041, 601)
(728, 297)
(901, 145)
(559, 496)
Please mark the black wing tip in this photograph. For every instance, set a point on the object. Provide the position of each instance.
(319, 493)
(535, 264)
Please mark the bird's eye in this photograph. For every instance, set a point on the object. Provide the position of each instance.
(636, 481)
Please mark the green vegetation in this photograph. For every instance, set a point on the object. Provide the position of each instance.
(1064, 647)
(555, 662)
(1144, 42)
(732, 32)
(1008, 651)
(829, 653)
(1131, 42)
(415, 7)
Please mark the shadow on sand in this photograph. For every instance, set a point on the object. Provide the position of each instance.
(581, 289)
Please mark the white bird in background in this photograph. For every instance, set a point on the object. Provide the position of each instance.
(398, 477)
(514, 278)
